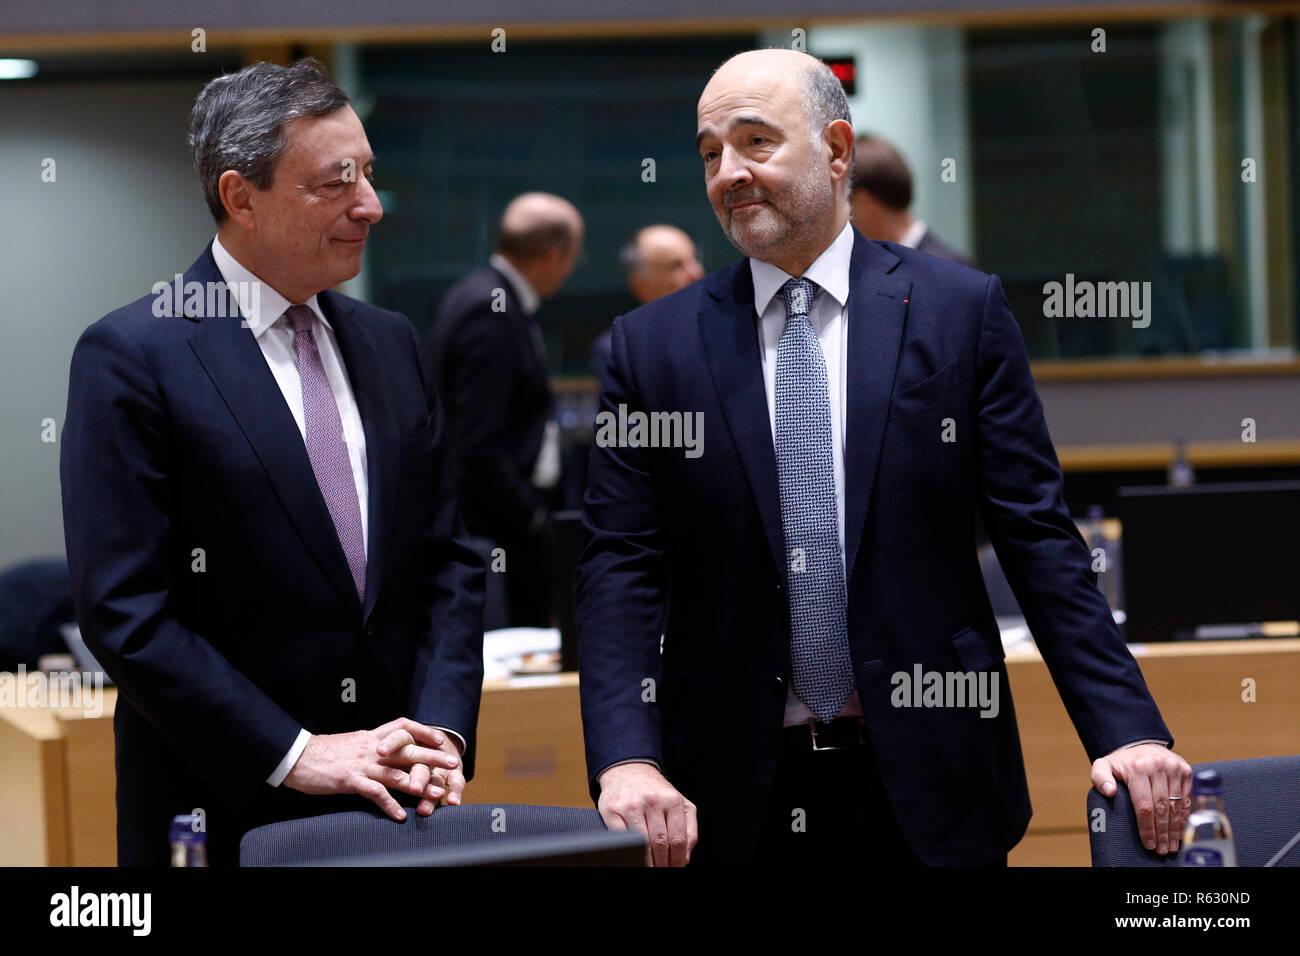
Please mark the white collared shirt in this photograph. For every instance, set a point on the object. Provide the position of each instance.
(275, 338)
(915, 233)
(829, 318)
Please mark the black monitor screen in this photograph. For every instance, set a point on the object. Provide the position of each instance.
(1220, 554)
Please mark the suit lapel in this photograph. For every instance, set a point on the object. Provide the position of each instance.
(233, 361)
(727, 327)
(380, 425)
(877, 309)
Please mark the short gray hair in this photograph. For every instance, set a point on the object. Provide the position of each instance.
(239, 121)
(825, 102)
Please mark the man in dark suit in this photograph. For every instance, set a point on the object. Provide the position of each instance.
(881, 200)
(830, 683)
(490, 366)
(262, 533)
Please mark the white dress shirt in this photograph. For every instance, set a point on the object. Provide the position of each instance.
(915, 233)
(264, 315)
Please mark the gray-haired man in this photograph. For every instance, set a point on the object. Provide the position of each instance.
(262, 533)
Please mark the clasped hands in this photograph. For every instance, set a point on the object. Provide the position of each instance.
(402, 755)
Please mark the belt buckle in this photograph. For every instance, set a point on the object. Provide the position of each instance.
(812, 730)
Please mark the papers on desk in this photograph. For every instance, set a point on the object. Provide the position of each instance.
(1016, 636)
(510, 651)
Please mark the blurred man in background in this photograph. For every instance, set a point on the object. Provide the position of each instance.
(490, 365)
(881, 200)
(262, 534)
(658, 260)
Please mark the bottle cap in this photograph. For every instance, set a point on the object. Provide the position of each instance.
(186, 828)
(1207, 783)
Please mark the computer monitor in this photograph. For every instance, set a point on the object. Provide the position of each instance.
(1213, 554)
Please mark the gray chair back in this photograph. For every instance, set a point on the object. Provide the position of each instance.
(499, 830)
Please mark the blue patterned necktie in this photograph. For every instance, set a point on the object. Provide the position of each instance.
(819, 641)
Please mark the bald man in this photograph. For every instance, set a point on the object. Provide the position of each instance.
(490, 365)
(658, 260)
(788, 656)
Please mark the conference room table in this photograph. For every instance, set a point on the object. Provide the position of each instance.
(1222, 700)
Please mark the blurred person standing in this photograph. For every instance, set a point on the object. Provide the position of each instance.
(658, 260)
(489, 362)
(881, 200)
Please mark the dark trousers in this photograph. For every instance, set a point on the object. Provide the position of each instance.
(830, 808)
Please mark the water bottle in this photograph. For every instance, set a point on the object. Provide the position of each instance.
(1181, 473)
(1093, 529)
(189, 841)
(1207, 840)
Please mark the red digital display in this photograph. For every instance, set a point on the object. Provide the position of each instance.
(845, 70)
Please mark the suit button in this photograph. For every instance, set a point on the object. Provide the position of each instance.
(780, 589)
(780, 681)
(370, 630)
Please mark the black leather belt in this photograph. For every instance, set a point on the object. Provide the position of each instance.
(838, 734)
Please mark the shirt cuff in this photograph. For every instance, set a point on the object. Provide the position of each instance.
(1163, 743)
(460, 741)
(291, 758)
(619, 763)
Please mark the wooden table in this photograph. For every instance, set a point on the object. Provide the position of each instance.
(56, 767)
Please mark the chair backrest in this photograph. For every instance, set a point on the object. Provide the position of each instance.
(1259, 797)
(454, 831)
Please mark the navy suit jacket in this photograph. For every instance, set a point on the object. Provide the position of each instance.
(692, 548)
(209, 580)
(496, 390)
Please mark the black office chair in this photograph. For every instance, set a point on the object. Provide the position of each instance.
(466, 835)
(1259, 797)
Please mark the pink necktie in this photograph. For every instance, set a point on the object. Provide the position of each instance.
(326, 448)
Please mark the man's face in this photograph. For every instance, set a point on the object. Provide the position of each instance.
(765, 174)
(668, 263)
(310, 227)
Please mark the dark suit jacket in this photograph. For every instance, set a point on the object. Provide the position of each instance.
(692, 548)
(930, 243)
(495, 387)
(177, 438)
